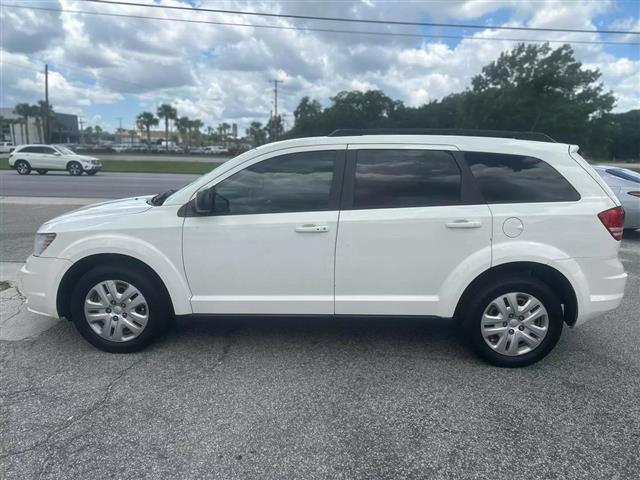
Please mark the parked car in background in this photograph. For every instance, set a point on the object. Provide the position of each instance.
(43, 158)
(215, 150)
(6, 147)
(514, 238)
(625, 184)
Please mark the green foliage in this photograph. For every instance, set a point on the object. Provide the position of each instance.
(530, 88)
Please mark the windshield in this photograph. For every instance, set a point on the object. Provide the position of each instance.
(64, 150)
(624, 174)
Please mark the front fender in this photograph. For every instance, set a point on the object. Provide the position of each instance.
(169, 270)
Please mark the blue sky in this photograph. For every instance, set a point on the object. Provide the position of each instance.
(105, 67)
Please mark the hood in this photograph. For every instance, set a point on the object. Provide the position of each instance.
(85, 157)
(99, 212)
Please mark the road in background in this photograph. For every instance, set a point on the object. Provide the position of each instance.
(316, 398)
(152, 157)
(102, 185)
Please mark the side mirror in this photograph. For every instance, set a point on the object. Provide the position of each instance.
(204, 201)
(57, 154)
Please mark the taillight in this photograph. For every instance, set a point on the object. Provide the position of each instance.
(635, 194)
(613, 219)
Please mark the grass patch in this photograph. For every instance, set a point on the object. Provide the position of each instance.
(145, 166)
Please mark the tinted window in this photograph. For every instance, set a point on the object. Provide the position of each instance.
(518, 179)
(624, 174)
(47, 150)
(28, 150)
(405, 178)
(289, 183)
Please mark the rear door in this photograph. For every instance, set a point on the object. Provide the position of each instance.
(411, 223)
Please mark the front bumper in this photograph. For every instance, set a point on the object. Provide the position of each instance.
(39, 280)
(93, 167)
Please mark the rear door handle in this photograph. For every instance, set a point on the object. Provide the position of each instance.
(312, 228)
(464, 224)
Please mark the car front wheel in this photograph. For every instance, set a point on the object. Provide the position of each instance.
(118, 308)
(74, 169)
(513, 322)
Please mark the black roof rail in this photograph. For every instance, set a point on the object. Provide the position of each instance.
(463, 132)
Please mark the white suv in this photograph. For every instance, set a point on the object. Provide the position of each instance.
(513, 238)
(43, 158)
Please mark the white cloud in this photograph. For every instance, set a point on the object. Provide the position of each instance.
(222, 73)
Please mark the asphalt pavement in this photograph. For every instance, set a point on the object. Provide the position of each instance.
(317, 399)
(102, 185)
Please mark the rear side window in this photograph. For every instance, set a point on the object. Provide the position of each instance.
(28, 150)
(518, 179)
(295, 182)
(405, 178)
(624, 174)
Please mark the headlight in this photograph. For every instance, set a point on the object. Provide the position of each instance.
(42, 241)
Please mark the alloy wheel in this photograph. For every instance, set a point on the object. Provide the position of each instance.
(116, 310)
(514, 323)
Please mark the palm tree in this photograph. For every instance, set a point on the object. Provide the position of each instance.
(196, 125)
(145, 121)
(167, 112)
(24, 110)
(183, 124)
(34, 111)
(47, 118)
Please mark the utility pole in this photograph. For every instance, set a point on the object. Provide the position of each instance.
(275, 96)
(47, 120)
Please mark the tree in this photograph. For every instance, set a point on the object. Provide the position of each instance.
(167, 112)
(145, 121)
(24, 110)
(195, 126)
(183, 125)
(256, 134)
(535, 88)
(274, 128)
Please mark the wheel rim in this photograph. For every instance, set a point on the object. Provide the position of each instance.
(116, 310)
(74, 169)
(22, 167)
(514, 324)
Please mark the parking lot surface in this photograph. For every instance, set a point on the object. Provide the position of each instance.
(319, 398)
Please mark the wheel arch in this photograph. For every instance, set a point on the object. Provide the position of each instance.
(558, 282)
(79, 268)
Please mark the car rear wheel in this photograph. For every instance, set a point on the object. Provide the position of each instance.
(118, 308)
(513, 322)
(74, 169)
(22, 167)
(41, 171)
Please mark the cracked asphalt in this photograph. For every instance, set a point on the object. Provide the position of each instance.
(321, 399)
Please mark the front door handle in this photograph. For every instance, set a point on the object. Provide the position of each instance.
(312, 228)
(464, 224)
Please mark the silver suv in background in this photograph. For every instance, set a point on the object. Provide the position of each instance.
(625, 184)
(43, 158)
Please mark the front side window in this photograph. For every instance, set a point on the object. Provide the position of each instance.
(48, 150)
(518, 179)
(405, 178)
(295, 182)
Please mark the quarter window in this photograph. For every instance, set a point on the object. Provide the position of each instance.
(405, 178)
(518, 179)
(294, 182)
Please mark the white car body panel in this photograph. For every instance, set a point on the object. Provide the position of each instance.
(394, 261)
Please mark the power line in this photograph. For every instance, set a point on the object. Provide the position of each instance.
(358, 20)
(324, 30)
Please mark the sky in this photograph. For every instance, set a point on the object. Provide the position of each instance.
(109, 69)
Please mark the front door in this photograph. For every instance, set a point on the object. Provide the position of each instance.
(411, 228)
(268, 247)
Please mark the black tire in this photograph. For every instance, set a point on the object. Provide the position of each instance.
(473, 311)
(22, 167)
(41, 171)
(91, 172)
(159, 308)
(74, 169)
